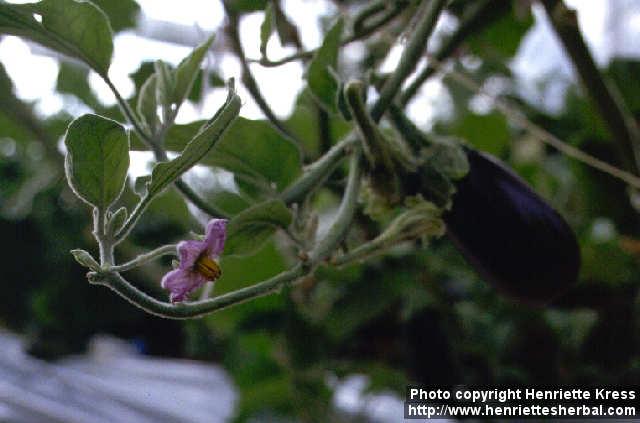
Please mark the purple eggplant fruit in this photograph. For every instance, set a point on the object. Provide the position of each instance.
(515, 240)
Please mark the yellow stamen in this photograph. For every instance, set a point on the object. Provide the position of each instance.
(207, 267)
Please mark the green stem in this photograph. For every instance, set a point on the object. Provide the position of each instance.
(159, 153)
(132, 220)
(410, 56)
(317, 172)
(480, 15)
(193, 197)
(325, 139)
(374, 147)
(197, 308)
(362, 27)
(604, 95)
(360, 253)
(126, 109)
(144, 258)
(104, 240)
(410, 132)
(252, 85)
(518, 118)
(360, 31)
(344, 218)
(336, 233)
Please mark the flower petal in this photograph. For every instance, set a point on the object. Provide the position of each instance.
(216, 234)
(189, 251)
(181, 282)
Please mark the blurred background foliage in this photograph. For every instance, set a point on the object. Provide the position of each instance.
(418, 314)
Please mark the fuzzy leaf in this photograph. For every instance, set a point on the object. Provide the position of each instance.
(321, 78)
(188, 69)
(247, 149)
(165, 173)
(74, 28)
(252, 227)
(85, 259)
(165, 84)
(97, 159)
(448, 158)
(266, 29)
(147, 106)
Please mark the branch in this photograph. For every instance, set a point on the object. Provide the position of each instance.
(360, 30)
(251, 83)
(344, 218)
(165, 250)
(480, 15)
(604, 95)
(410, 57)
(317, 172)
(519, 119)
(336, 233)
(140, 299)
(126, 110)
(159, 153)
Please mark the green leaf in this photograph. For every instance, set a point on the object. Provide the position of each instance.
(246, 6)
(266, 29)
(287, 31)
(73, 79)
(188, 70)
(321, 78)
(140, 75)
(489, 133)
(147, 106)
(140, 185)
(6, 84)
(229, 202)
(251, 228)
(85, 259)
(256, 153)
(448, 158)
(624, 73)
(97, 159)
(77, 29)
(122, 14)
(116, 220)
(251, 149)
(502, 37)
(165, 84)
(165, 173)
(304, 121)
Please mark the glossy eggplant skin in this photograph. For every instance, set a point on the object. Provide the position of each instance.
(516, 241)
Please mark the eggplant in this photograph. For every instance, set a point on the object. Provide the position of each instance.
(516, 241)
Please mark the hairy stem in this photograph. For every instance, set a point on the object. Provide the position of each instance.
(360, 253)
(113, 280)
(144, 258)
(410, 56)
(317, 172)
(126, 110)
(344, 218)
(194, 309)
(158, 151)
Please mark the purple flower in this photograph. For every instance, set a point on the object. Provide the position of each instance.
(198, 263)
